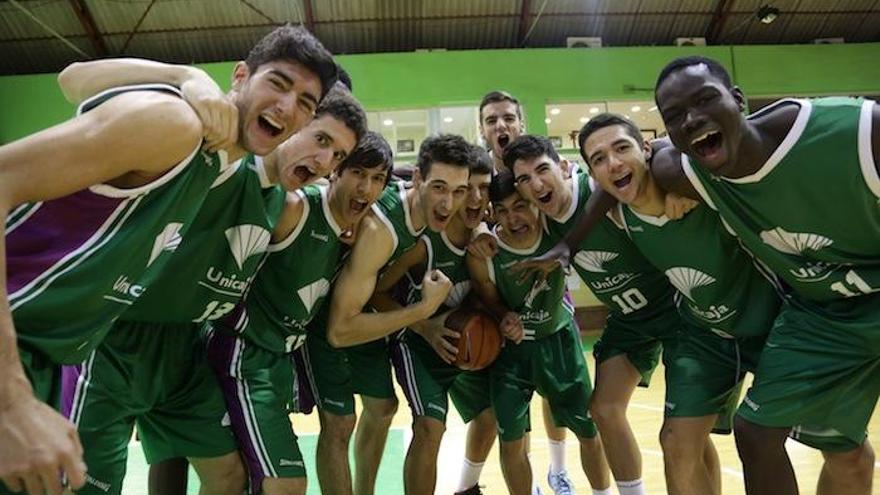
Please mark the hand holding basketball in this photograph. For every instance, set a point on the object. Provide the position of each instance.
(480, 341)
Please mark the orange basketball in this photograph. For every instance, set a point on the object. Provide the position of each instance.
(480, 341)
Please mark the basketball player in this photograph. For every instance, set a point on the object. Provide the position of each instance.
(544, 352)
(728, 305)
(400, 215)
(423, 358)
(251, 348)
(115, 236)
(642, 315)
(798, 183)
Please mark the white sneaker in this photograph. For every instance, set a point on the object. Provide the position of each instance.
(560, 483)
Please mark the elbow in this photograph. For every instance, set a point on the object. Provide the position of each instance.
(336, 336)
(67, 82)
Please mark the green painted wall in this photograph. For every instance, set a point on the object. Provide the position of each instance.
(535, 76)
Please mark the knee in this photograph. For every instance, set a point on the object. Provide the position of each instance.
(383, 410)
(677, 449)
(428, 429)
(284, 486)
(604, 413)
(856, 464)
(229, 478)
(337, 429)
(513, 449)
(753, 439)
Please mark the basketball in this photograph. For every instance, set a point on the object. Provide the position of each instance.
(480, 341)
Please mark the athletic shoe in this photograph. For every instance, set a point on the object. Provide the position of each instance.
(560, 483)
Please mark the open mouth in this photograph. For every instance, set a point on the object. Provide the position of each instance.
(358, 205)
(623, 181)
(304, 174)
(519, 229)
(441, 218)
(546, 197)
(707, 144)
(270, 125)
(503, 141)
(473, 214)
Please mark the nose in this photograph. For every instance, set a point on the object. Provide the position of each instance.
(693, 120)
(614, 161)
(474, 196)
(362, 185)
(325, 158)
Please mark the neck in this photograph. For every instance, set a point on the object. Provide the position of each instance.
(519, 242)
(567, 197)
(458, 232)
(415, 210)
(338, 217)
(651, 201)
(270, 163)
(751, 153)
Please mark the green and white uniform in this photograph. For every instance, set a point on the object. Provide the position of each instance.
(427, 380)
(640, 299)
(728, 306)
(152, 370)
(252, 349)
(811, 214)
(76, 263)
(550, 358)
(364, 369)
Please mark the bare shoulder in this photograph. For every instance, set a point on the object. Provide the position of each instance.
(779, 120)
(291, 216)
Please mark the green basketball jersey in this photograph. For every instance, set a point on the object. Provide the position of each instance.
(293, 283)
(219, 256)
(543, 305)
(722, 287)
(812, 211)
(75, 263)
(608, 262)
(445, 256)
(392, 209)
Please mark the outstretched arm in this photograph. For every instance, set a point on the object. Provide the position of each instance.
(219, 116)
(349, 323)
(37, 442)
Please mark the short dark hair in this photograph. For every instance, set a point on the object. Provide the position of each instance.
(297, 44)
(343, 106)
(446, 148)
(502, 186)
(607, 120)
(481, 163)
(372, 151)
(715, 68)
(526, 147)
(497, 97)
(344, 77)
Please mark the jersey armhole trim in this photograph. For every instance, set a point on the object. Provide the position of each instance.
(695, 181)
(866, 153)
(303, 219)
(227, 173)
(116, 192)
(388, 225)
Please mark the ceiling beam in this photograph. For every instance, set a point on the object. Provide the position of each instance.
(89, 26)
(309, 16)
(524, 13)
(719, 18)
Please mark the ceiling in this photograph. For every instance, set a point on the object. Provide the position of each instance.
(45, 35)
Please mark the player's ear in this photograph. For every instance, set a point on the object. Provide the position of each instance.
(239, 75)
(739, 97)
(565, 165)
(417, 178)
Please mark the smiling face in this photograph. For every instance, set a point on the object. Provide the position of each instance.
(477, 200)
(618, 163)
(354, 190)
(500, 124)
(542, 181)
(274, 101)
(313, 152)
(518, 219)
(703, 117)
(441, 193)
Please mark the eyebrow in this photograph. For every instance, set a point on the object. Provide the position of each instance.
(289, 80)
(615, 143)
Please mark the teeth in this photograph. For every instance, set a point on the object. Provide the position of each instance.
(702, 137)
(274, 123)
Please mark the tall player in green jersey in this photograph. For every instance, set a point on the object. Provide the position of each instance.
(543, 351)
(798, 183)
(160, 134)
(423, 357)
(727, 303)
(251, 348)
(642, 314)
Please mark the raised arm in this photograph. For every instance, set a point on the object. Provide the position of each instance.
(117, 143)
(219, 116)
(349, 323)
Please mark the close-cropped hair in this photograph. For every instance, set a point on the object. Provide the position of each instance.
(527, 147)
(715, 68)
(607, 120)
(343, 106)
(450, 149)
(296, 44)
(502, 186)
(481, 162)
(372, 151)
(497, 97)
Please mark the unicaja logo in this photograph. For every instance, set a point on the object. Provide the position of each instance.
(793, 242)
(593, 261)
(246, 241)
(310, 294)
(167, 240)
(687, 279)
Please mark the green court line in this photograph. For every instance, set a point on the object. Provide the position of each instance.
(390, 471)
